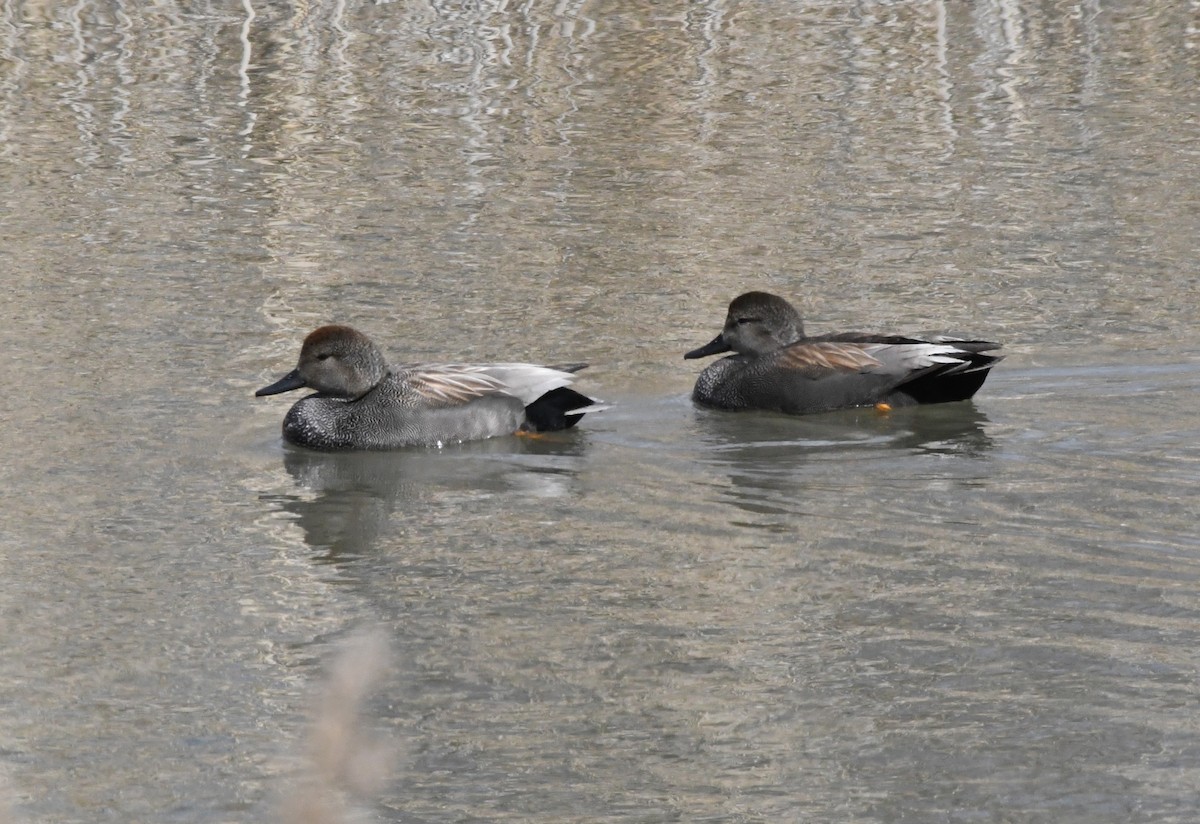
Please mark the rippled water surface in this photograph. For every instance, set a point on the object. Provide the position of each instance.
(978, 612)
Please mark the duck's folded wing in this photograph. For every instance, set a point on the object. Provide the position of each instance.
(821, 359)
(449, 384)
(528, 381)
(457, 383)
(919, 356)
(965, 344)
(893, 356)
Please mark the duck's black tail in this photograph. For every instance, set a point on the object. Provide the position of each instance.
(956, 381)
(559, 408)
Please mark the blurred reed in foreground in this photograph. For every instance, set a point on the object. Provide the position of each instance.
(346, 763)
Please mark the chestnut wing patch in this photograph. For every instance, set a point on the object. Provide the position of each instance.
(818, 358)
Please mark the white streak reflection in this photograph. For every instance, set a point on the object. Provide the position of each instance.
(244, 77)
(79, 97)
(1013, 28)
(708, 22)
(10, 81)
(945, 82)
(126, 76)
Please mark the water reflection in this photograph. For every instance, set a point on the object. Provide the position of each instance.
(748, 438)
(777, 465)
(677, 614)
(351, 497)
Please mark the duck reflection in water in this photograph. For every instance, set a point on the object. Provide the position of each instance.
(770, 459)
(349, 499)
(950, 429)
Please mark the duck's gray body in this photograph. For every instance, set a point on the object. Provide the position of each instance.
(778, 368)
(362, 403)
(382, 420)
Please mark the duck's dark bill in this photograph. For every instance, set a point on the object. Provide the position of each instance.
(287, 383)
(714, 347)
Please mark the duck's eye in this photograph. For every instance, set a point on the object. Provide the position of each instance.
(323, 356)
(744, 321)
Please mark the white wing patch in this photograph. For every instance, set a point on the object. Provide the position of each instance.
(526, 380)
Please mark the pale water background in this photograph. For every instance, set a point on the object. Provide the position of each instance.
(984, 612)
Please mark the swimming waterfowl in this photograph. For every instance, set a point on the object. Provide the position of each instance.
(777, 367)
(363, 403)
